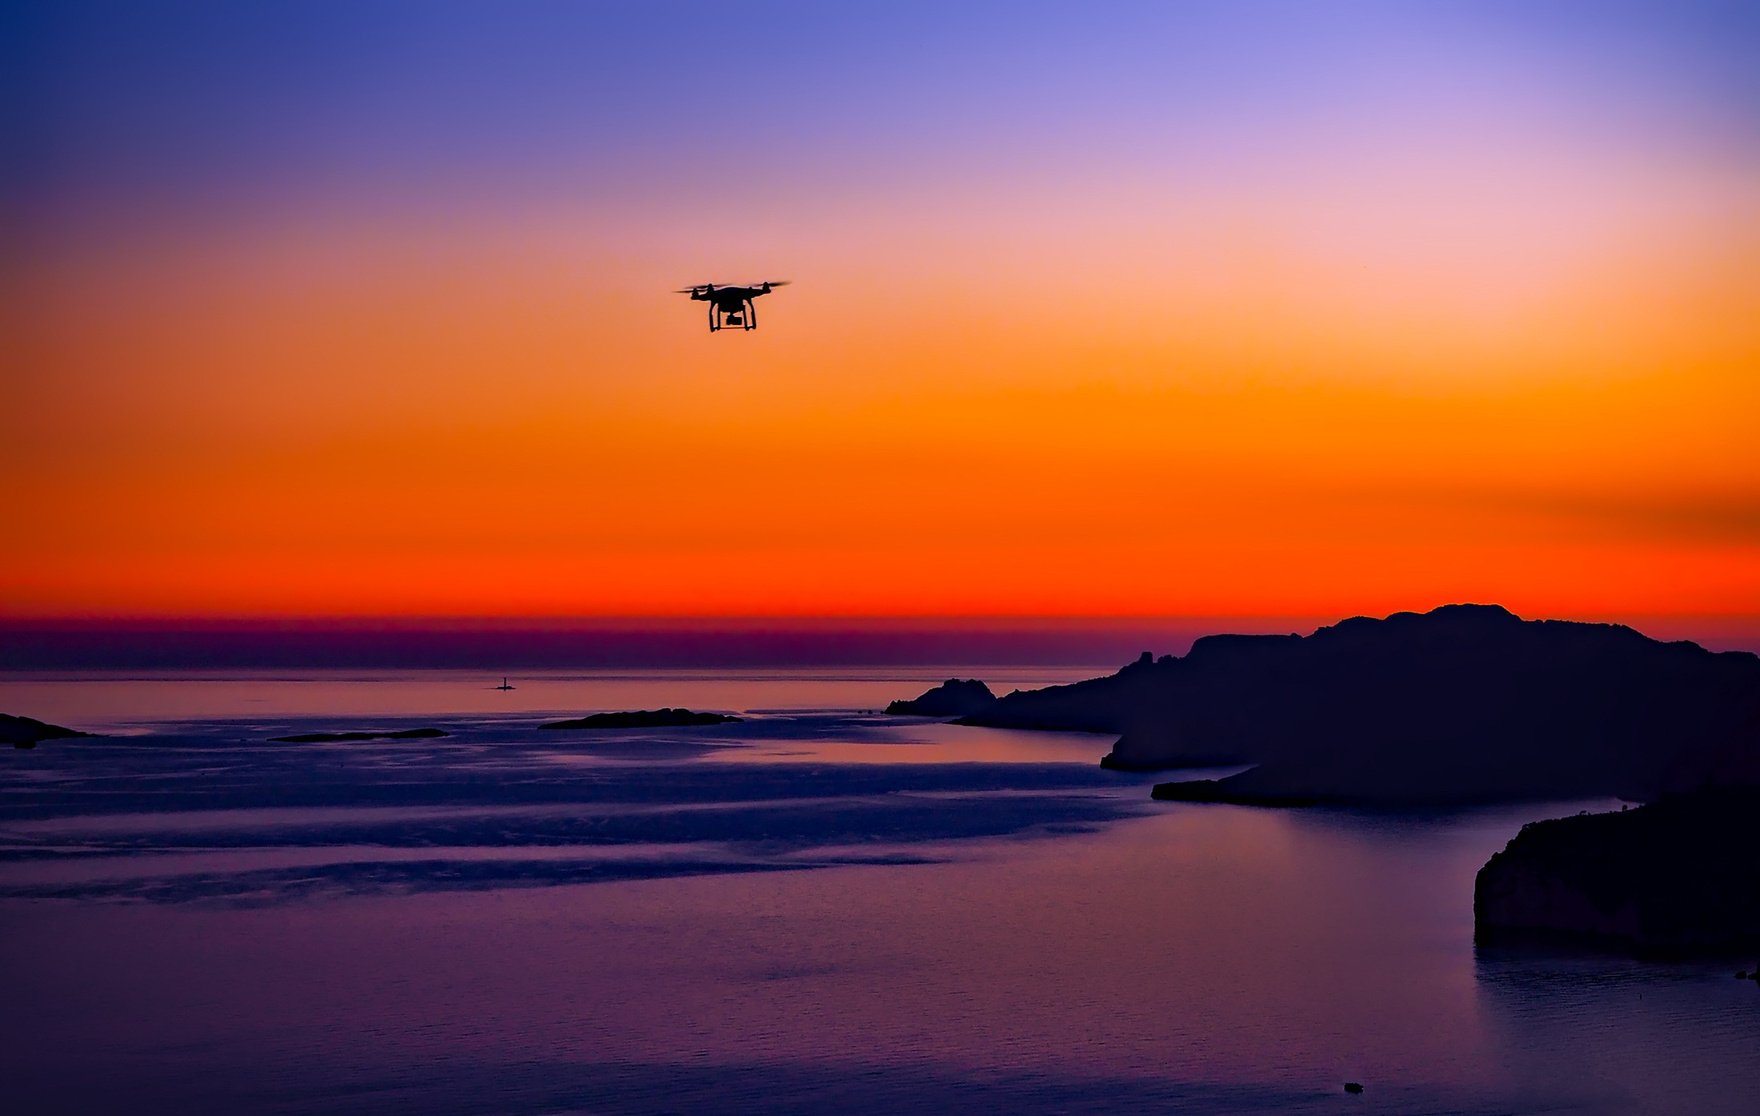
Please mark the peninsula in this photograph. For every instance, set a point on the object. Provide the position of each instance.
(1463, 704)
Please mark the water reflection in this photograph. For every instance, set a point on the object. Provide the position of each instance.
(1640, 1036)
(196, 815)
(792, 914)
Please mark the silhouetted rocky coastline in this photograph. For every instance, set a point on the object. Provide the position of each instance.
(1679, 876)
(1467, 703)
(956, 697)
(26, 732)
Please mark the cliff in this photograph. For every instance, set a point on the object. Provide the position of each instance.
(1678, 876)
(1467, 703)
(956, 697)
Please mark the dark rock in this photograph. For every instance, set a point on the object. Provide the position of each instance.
(1353, 1087)
(1675, 877)
(332, 737)
(24, 732)
(643, 718)
(1467, 703)
(1219, 790)
(956, 697)
(1138, 693)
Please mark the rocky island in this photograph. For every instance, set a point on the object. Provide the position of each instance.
(956, 697)
(335, 737)
(1676, 877)
(643, 718)
(25, 732)
(1463, 704)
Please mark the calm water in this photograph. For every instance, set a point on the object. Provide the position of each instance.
(818, 909)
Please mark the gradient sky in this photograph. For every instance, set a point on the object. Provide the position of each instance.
(1101, 309)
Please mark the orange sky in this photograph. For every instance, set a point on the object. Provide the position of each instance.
(1513, 363)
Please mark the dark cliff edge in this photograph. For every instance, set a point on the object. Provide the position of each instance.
(26, 732)
(643, 718)
(1463, 704)
(956, 697)
(1678, 877)
(1106, 704)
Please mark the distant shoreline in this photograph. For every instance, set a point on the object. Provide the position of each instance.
(498, 646)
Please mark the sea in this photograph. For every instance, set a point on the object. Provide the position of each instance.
(817, 909)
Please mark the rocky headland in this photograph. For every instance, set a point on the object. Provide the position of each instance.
(1138, 694)
(643, 718)
(1463, 704)
(26, 732)
(1678, 876)
(956, 697)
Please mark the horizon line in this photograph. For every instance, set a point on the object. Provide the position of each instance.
(509, 644)
(802, 620)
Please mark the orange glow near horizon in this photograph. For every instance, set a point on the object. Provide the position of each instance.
(434, 437)
(1505, 366)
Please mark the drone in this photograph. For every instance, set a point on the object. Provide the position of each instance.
(729, 306)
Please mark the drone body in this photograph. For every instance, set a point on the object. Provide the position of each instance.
(731, 306)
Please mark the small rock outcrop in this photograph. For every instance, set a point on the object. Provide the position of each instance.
(25, 732)
(643, 718)
(333, 737)
(956, 697)
(1676, 877)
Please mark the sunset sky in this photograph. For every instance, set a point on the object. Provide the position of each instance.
(1158, 309)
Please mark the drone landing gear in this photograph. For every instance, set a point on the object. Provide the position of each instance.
(743, 316)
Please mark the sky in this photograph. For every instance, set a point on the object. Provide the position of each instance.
(1098, 310)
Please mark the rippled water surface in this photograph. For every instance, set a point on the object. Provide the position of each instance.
(817, 909)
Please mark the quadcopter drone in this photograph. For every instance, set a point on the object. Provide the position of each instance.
(731, 307)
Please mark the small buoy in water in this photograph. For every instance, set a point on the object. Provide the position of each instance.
(1353, 1086)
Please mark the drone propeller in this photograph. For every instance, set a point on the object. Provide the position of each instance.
(711, 286)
